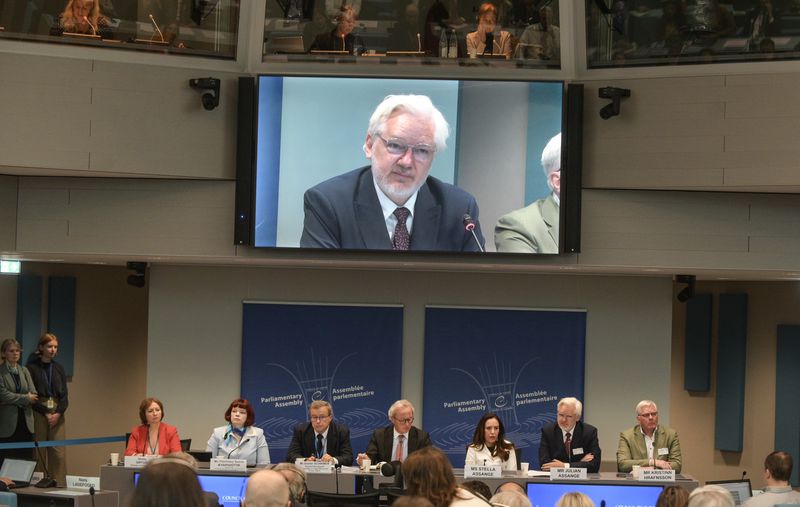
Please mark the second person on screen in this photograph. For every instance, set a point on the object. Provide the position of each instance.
(239, 439)
(489, 446)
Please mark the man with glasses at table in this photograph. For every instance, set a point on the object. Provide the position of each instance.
(396, 442)
(393, 204)
(648, 444)
(321, 439)
(568, 440)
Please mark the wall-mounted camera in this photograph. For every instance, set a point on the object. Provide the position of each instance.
(616, 95)
(210, 100)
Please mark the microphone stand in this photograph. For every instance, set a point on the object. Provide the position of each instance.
(47, 481)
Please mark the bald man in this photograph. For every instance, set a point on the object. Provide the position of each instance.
(266, 488)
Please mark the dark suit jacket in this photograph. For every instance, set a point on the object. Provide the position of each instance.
(380, 445)
(304, 443)
(344, 212)
(584, 436)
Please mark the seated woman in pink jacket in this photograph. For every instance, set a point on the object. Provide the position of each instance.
(152, 437)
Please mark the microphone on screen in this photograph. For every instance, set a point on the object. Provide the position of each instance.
(153, 20)
(419, 44)
(469, 226)
(94, 29)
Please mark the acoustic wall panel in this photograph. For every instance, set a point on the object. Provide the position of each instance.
(731, 359)
(697, 373)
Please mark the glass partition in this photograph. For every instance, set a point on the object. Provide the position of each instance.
(190, 27)
(670, 32)
(512, 33)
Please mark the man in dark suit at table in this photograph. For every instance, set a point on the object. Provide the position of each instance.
(321, 439)
(569, 440)
(396, 442)
(393, 204)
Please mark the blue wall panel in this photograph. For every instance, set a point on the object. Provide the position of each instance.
(29, 313)
(731, 367)
(787, 392)
(61, 318)
(697, 355)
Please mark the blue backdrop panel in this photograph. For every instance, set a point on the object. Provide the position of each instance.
(29, 313)
(517, 363)
(787, 392)
(293, 354)
(731, 367)
(61, 318)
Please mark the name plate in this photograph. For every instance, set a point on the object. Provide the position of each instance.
(138, 461)
(657, 475)
(483, 471)
(229, 465)
(78, 482)
(316, 467)
(568, 474)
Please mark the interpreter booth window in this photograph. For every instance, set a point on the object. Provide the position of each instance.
(188, 27)
(504, 33)
(674, 32)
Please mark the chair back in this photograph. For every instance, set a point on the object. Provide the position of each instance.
(8, 499)
(186, 444)
(317, 499)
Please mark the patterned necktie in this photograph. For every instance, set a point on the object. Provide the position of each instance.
(319, 446)
(401, 239)
(400, 438)
(568, 446)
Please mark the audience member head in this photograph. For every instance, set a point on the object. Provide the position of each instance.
(401, 413)
(510, 499)
(510, 486)
(412, 501)
(479, 488)
(11, 351)
(240, 413)
(574, 499)
(487, 17)
(168, 481)
(47, 348)
(778, 468)
(403, 136)
(711, 496)
(295, 478)
(647, 416)
(151, 411)
(673, 496)
(546, 17)
(78, 12)
(490, 433)
(320, 413)
(185, 457)
(551, 164)
(266, 488)
(428, 473)
(346, 19)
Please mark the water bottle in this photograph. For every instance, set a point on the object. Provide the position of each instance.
(443, 44)
(452, 45)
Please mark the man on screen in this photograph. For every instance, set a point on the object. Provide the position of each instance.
(569, 440)
(321, 439)
(396, 442)
(393, 204)
(534, 229)
(648, 444)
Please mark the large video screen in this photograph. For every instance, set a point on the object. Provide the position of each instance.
(229, 488)
(476, 164)
(546, 494)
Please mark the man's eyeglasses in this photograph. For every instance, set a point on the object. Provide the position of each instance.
(421, 152)
(648, 415)
(318, 418)
(405, 421)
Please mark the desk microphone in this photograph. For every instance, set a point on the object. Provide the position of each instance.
(153, 20)
(744, 472)
(91, 494)
(47, 481)
(94, 29)
(419, 44)
(336, 468)
(469, 226)
(235, 448)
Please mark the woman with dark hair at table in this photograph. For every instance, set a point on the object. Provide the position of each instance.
(428, 473)
(82, 17)
(489, 445)
(152, 437)
(50, 380)
(17, 394)
(239, 439)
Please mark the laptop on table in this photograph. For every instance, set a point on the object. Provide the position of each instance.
(18, 470)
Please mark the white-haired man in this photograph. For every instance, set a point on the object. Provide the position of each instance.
(534, 228)
(647, 443)
(569, 440)
(397, 441)
(266, 488)
(393, 204)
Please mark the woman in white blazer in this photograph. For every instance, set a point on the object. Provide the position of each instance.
(239, 439)
(489, 446)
